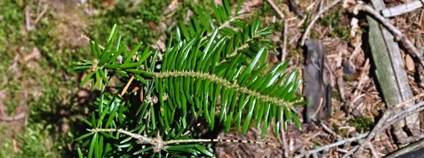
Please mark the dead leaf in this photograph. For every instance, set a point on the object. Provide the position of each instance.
(152, 25)
(409, 63)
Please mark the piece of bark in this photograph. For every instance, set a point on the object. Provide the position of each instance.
(315, 87)
(390, 71)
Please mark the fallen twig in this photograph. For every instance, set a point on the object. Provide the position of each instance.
(126, 86)
(285, 146)
(13, 118)
(386, 120)
(327, 147)
(41, 14)
(405, 113)
(28, 25)
(284, 46)
(350, 152)
(276, 9)
(402, 8)
(373, 152)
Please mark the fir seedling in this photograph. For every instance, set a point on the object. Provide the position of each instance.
(212, 70)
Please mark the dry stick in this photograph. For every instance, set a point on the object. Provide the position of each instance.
(402, 39)
(158, 144)
(401, 105)
(382, 123)
(325, 127)
(141, 138)
(283, 137)
(402, 8)
(285, 145)
(373, 152)
(350, 152)
(308, 29)
(276, 9)
(13, 118)
(126, 86)
(41, 14)
(327, 147)
(376, 130)
(405, 113)
(411, 110)
(284, 47)
(28, 25)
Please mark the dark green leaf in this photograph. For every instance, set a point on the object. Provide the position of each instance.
(184, 30)
(84, 81)
(112, 33)
(80, 153)
(84, 136)
(121, 73)
(239, 4)
(103, 74)
(82, 68)
(297, 122)
(94, 51)
(203, 150)
(287, 115)
(216, 13)
(130, 65)
(92, 145)
(141, 72)
(110, 66)
(248, 118)
(133, 52)
(141, 79)
(145, 55)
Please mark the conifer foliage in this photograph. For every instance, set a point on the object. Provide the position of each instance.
(214, 70)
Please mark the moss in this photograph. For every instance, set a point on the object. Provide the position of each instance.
(11, 27)
(336, 95)
(361, 123)
(334, 21)
(136, 23)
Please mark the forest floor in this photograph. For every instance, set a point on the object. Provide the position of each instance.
(41, 104)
